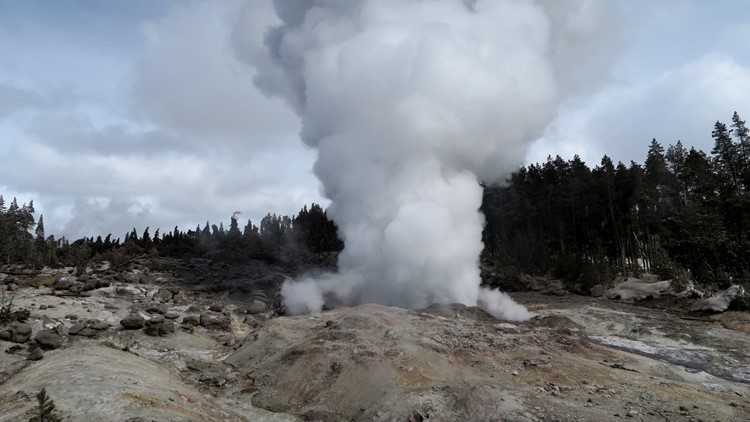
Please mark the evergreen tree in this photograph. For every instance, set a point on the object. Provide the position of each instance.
(726, 158)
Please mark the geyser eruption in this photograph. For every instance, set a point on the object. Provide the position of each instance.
(409, 103)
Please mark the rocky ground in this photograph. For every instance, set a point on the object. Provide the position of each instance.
(162, 340)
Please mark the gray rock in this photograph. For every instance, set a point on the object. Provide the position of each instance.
(215, 321)
(156, 319)
(88, 332)
(163, 295)
(5, 335)
(192, 320)
(20, 332)
(171, 315)
(720, 302)
(48, 339)
(168, 327)
(61, 329)
(35, 354)
(76, 288)
(65, 282)
(76, 328)
(159, 328)
(128, 291)
(98, 325)
(90, 285)
(156, 309)
(133, 322)
(256, 308)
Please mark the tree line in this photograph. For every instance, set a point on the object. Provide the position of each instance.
(278, 239)
(683, 214)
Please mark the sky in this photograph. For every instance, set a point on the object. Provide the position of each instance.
(116, 115)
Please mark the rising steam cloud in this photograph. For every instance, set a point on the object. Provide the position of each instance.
(409, 103)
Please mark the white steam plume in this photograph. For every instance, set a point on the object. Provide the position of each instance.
(409, 103)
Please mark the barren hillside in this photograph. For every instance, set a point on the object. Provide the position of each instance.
(146, 344)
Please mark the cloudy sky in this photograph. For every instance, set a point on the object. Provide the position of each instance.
(143, 113)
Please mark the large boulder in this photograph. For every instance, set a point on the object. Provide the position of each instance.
(720, 302)
(158, 326)
(191, 320)
(49, 280)
(129, 291)
(635, 289)
(163, 295)
(65, 282)
(17, 333)
(49, 339)
(133, 322)
(215, 321)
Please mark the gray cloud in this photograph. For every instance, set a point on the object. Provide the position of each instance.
(177, 135)
(680, 104)
(190, 81)
(14, 99)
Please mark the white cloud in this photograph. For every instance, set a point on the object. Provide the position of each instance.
(621, 120)
(175, 134)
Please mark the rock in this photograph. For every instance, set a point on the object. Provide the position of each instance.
(163, 295)
(133, 322)
(35, 354)
(256, 308)
(156, 319)
(76, 328)
(72, 317)
(215, 321)
(252, 321)
(65, 282)
(156, 309)
(61, 329)
(87, 332)
(192, 320)
(98, 325)
(48, 280)
(31, 282)
(48, 323)
(171, 315)
(90, 285)
(180, 298)
(597, 291)
(5, 335)
(20, 332)
(76, 287)
(720, 302)
(128, 291)
(157, 326)
(639, 290)
(48, 339)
